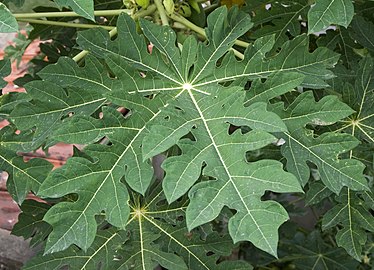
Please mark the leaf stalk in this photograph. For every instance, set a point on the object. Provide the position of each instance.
(113, 12)
(199, 30)
(162, 12)
(66, 24)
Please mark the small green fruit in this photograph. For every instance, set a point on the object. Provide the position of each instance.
(142, 3)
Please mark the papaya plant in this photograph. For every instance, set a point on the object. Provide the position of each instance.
(213, 135)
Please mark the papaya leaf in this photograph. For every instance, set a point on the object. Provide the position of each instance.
(102, 252)
(360, 96)
(30, 222)
(363, 32)
(278, 18)
(353, 209)
(312, 252)
(327, 12)
(154, 235)
(355, 217)
(5, 70)
(172, 95)
(301, 145)
(84, 8)
(23, 177)
(8, 24)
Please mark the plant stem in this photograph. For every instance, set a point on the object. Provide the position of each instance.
(199, 30)
(66, 24)
(161, 10)
(114, 12)
(144, 12)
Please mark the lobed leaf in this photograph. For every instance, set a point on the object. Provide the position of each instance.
(327, 12)
(302, 145)
(355, 218)
(84, 8)
(8, 24)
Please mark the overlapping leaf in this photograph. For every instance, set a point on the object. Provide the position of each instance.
(5, 70)
(311, 252)
(352, 211)
(30, 222)
(8, 23)
(155, 235)
(327, 12)
(102, 254)
(302, 145)
(293, 57)
(145, 73)
(49, 105)
(94, 180)
(355, 217)
(360, 97)
(190, 101)
(277, 17)
(341, 42)
(23, 177)
(84, 8)
(363, 31)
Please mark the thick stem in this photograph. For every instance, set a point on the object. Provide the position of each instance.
(161, 10)
(199, 30)
(66, 24)
(114, 12)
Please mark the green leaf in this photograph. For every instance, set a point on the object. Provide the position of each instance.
(84, 8)
(158, 225)
(18, 3)
(281, 19)
(66, 73)
(104, 252)
(274, 86)
(327, 12)
(8, 24)
(50, 104)
(316, 193)
(341, 42)
(93, 180)
(186, 97)
(293, 57)
(302, 145)
(353, 209)
(363, 31)
(5, 70)
(154, 236)
(23, 176)
(312, 252)
(173, 77)
(355, 218)
(360, 97)
(30, 222)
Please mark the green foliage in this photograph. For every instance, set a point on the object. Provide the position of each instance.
(84, 8)
(197, 149)
(8, 23)
(326, 12)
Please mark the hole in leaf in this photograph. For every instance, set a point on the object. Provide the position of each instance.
(209, 253)
(233, 128)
